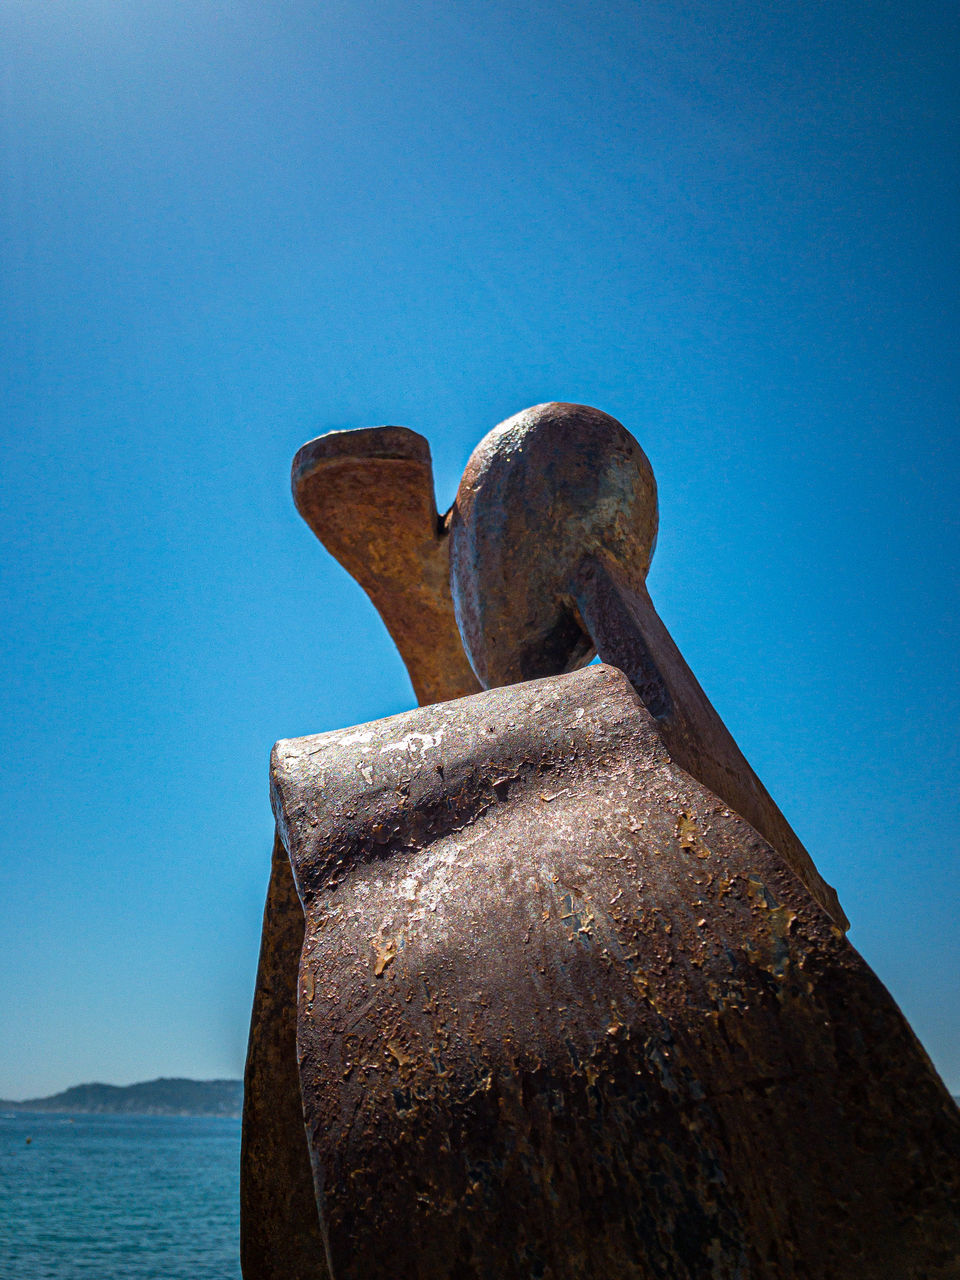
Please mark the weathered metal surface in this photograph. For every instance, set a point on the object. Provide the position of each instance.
(551, 536)
(368, 496)
(563, 1014)
(279, 1229)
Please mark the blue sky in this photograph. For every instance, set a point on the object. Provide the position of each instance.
(230, 226)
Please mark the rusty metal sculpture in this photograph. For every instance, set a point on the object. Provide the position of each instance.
(563, 1011)
(564, 1014)
(551, 537)
(368, 496)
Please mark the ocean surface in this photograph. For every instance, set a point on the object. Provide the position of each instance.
(119, 1197)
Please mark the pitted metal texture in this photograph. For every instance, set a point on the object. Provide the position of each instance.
(563, 1013)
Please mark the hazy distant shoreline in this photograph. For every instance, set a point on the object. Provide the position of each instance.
(162, 1097)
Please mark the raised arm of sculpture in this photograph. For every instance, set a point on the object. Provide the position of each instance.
(368, 496)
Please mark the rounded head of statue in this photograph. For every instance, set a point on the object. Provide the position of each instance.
(545, 491)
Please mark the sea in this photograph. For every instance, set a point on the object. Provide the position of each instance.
(111, 1197)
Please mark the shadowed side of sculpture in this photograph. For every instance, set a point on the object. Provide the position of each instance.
(280, 1236)
(552, 533)
(368, 496)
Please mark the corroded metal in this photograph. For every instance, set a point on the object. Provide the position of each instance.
(279, 1229)
(368, 496)
(551, 536)
(563, 1013)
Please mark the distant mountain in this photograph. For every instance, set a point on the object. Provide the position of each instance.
(152, 1098)
(164, 1097)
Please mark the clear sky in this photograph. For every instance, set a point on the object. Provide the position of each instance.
(228, 226)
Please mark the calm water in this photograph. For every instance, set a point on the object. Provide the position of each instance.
(119, 1198)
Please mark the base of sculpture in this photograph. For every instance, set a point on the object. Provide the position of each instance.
(562, 1013)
